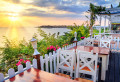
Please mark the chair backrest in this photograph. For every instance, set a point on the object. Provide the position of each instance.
(11, 72)
(105, 43)
(108, 37)
(97, 37)
(88, 62)
(28, 65)
(1, 77)
(20, 69)
(65, 60)
(88, 42)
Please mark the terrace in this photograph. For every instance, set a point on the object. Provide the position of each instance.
(108, 61)
(93, 59)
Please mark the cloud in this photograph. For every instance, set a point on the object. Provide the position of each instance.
(59, 8)
(13, 1)
(41, 13)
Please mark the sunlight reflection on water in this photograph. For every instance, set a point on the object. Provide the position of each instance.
(25, 32)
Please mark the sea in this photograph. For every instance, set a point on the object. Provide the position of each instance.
(17, 34)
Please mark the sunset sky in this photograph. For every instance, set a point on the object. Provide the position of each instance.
(47, 12)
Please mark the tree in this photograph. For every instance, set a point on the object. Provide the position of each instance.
(118, 5)
(94, 10)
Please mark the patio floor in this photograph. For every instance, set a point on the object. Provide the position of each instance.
(113, 73)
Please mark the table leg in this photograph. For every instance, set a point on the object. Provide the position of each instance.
(104, 66)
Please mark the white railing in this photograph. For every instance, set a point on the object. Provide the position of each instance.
(12, 73)
(48, 63)
(116, 45)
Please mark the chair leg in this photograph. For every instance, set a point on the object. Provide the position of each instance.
(94, 78)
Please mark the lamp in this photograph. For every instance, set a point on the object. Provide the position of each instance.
(75, 35)
(34, 45)
(75, 40)
(36, 54)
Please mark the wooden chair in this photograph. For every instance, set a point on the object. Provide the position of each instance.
(65, 61)
(105, 43)
(82, 80)
(11, 72)
(1, 77)
(20, 69)
(86, 66)
(88, 42)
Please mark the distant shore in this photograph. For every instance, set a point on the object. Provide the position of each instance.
(54, 26)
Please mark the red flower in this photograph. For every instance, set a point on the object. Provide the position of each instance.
(21, 60)
(54, 49)
(82, 37)
(51, 47)
(48, 48)
(25, 61)
(66, 44)
(19, 63)
(58, 47)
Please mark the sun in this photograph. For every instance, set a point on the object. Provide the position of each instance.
(13, 16)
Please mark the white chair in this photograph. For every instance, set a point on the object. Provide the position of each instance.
(97, 37)
(11, 72)
(88, 65)
(20, 69)
(65, 60)
(1, 77)
(108, 37)
(105, 43)
(28, 65)
(88, 42)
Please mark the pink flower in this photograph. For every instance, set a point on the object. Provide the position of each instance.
(51, 47)
(58, 47)
(63, 45)
(66, 44)
(19, 63)
(21, 60)
(54, 49)
(48, 48)
(27, 60)
(82, 37)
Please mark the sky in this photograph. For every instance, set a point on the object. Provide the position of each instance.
(47, 12)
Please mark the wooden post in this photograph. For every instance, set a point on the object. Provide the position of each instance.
(104, 24)
(76, 45)
(100, 25)
(36, 54)
(37, 57)
(110, 23)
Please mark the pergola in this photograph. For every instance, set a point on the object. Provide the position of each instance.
(113, 16)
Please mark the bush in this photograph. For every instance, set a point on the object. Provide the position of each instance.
(12, 52)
